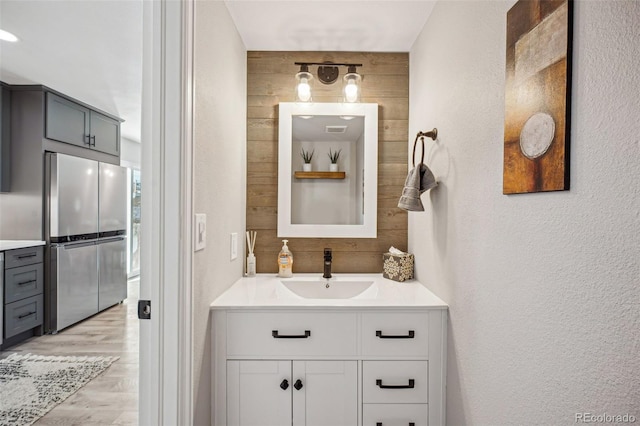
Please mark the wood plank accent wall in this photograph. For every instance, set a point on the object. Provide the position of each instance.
(270, 80)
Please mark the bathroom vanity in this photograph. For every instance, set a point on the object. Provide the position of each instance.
(353, 350)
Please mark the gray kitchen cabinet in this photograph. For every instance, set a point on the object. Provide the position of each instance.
(23, 305)
(67, 121)
(21, 316)
(70, 122)
(105, 133)
(5, 139)
(22, 282)
(36, 129)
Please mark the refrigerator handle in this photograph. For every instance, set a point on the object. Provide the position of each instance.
(70, 246)
(111, 239)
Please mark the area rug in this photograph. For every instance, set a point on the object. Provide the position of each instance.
(31, 385)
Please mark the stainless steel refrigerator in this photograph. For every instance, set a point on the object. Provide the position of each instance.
(85, 227)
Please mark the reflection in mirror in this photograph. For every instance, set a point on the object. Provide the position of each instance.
(326, 202)
(337, 199)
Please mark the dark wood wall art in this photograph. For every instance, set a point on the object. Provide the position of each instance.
(538, 83)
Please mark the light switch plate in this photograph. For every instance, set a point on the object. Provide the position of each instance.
(200, 232)
(234, 245)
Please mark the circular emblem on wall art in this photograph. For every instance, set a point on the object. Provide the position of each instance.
(537, 134)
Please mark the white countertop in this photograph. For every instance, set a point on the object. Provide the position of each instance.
(16, 244)
(267, 291)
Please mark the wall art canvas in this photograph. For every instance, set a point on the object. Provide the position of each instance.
(538, 83)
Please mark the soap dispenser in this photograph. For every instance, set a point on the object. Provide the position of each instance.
(285, 261)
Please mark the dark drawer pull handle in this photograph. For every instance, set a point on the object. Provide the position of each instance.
(298, 384)
(26, 315)
(411, 385)
(276, 335)
(284, 385)
(411, 335)
(410, 424)
(27, 282)
(26, 256)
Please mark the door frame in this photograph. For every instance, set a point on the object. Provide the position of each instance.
(165, 391)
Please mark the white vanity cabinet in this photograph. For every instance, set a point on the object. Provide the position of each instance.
(275, 393)
(319, 366)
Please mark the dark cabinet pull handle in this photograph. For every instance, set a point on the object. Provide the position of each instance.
(27, 282)
(410, 335)
(411, 385)
(410, 424)
(88, 137)
(94, 140)
(26, 315)
(26, 256)
(284, 385)
(298, 384)
(276, 335)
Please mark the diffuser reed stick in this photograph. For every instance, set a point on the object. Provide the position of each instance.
(251, 258)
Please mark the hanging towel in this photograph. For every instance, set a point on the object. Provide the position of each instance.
(419, 180)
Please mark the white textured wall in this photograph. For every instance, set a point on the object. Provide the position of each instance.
(544, 289)
(130, 153)
(219, 175)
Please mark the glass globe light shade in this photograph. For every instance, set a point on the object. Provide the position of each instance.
(303, 86)
(351, 88)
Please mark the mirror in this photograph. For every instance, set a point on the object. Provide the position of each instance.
(318, 200)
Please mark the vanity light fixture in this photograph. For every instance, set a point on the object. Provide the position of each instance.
(303, 84)
(7, 36)
(328, 73)
(351, 88)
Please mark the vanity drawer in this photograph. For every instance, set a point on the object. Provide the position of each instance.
(22, 282)
(394, 382)
(394, 414)
(395, 334)
(22, 257)
(22, 315)
(291, 334)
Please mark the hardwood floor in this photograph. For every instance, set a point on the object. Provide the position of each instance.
(111, 398)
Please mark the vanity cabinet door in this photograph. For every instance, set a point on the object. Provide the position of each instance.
(394, 382)
(397, 334)
(394, 414)
(298, 393)
(327, 394)
(259, 393)
(291, 334)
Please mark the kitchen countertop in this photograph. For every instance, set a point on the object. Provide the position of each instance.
(16, 244)
(267, 291)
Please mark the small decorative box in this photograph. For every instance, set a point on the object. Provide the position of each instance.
(397, 267)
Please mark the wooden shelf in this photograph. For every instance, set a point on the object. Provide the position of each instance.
(319, 175)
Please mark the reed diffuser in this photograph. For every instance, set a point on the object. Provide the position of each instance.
(251, 258)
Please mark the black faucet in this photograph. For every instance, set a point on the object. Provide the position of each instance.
(327, 263)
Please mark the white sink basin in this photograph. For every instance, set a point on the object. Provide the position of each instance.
(323, 289)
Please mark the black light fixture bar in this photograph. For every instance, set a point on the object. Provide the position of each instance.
(328, 63)
(327, 71)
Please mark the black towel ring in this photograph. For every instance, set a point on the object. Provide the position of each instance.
(433, 134)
